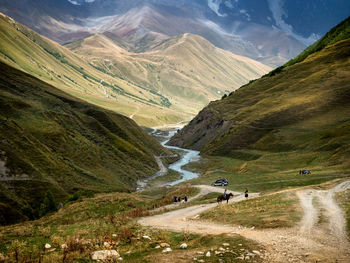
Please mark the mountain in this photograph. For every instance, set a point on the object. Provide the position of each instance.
(298, 111)
(187, 69)
(271, 31)
(26, 50)
(52, 141)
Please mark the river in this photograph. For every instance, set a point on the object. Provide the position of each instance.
(188, 157)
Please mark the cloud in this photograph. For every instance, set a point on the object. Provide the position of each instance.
(278, 12)
(215, 6)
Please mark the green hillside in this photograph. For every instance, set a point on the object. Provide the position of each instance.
(296, 119)
(51, 141)
(26, 50)
(187, 70)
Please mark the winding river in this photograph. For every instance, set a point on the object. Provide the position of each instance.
(189, 156)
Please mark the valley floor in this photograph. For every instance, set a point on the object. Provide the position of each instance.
(319, 237)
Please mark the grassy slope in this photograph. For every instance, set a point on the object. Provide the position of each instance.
(295, 119)
(92, 221)
(291, 119)
(22, 48)
(186, 69)
(269, 211)
(53, 141)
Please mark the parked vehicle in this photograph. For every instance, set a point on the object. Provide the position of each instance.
(220, 182)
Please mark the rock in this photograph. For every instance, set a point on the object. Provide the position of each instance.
(47, 246)
(194, 259)
(2, 258)
(183, 245)
(256, 252)
(226, 244)
(114, 235)
(201, 260)
(240, 245)
(157, 246)
(146, 237)
(221, 249)
(217, 252)
(120, 259)
(200, 253)
(167, 250)
(106, 245)
(105, 254)
(64, 246)
(241, 257)
(208, 254)
(164, 245)
(247, 258)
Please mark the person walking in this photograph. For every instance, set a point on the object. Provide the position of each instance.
(246, 193)
(179, 199)
(185, 198)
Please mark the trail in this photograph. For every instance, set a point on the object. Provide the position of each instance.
(314, 239)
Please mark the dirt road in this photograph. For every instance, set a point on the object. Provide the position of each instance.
(319, 237)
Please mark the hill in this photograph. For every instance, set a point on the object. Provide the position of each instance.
(292, 118)
(187, 69)
(52, 141)
(24, 49)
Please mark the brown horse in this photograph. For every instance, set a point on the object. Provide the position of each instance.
(222, 197)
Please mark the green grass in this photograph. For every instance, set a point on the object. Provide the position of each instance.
(85, 224)
(343, 198)
(269, 211)
(62, 144)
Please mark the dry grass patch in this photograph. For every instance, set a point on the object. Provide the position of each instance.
(270, 211)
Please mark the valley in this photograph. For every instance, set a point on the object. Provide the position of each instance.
(118, 118)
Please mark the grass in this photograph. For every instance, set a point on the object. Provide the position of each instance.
(269, 211)
(85, 225)
(343, 198)
(265, 132)
(59, 143)
(26, 50)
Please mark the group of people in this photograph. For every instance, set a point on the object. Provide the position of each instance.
(179, 200)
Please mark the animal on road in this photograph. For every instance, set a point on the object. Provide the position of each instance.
(224, 197)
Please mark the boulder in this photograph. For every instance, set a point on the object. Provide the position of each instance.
(47, 246)
(226, 244)
(183, 245)
(105, 255)
(167, 250)
(146, 237)
(164, 245)
(208, 254)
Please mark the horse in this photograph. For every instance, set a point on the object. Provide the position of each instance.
(223, 197)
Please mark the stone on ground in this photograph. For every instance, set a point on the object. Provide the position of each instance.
(164, 245)
(105, 254)
(167, 250)
(183, 245)
(208, 254)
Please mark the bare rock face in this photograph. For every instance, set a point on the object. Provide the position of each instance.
(104, 255)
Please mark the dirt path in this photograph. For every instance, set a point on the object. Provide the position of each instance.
(319, 237)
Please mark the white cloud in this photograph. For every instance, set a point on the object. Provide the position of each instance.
(215, 6)
(278, 12)
(74, 2)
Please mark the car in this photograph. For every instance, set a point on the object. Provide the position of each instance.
(220, 182)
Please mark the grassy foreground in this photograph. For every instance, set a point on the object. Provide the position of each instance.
(107, 222)
(269, 211)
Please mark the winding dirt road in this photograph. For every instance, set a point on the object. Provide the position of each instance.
(319, 237)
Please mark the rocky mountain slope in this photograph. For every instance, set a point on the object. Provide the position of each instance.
(187, 69)
(268, 31)
(52, 141)
(301, 109)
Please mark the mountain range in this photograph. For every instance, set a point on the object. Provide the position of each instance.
(268, 31)
(298, 111)
(155, 87)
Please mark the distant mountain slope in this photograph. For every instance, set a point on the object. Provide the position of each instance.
(187, 69)
(26, 50)
(303, 111)
(50, 140)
